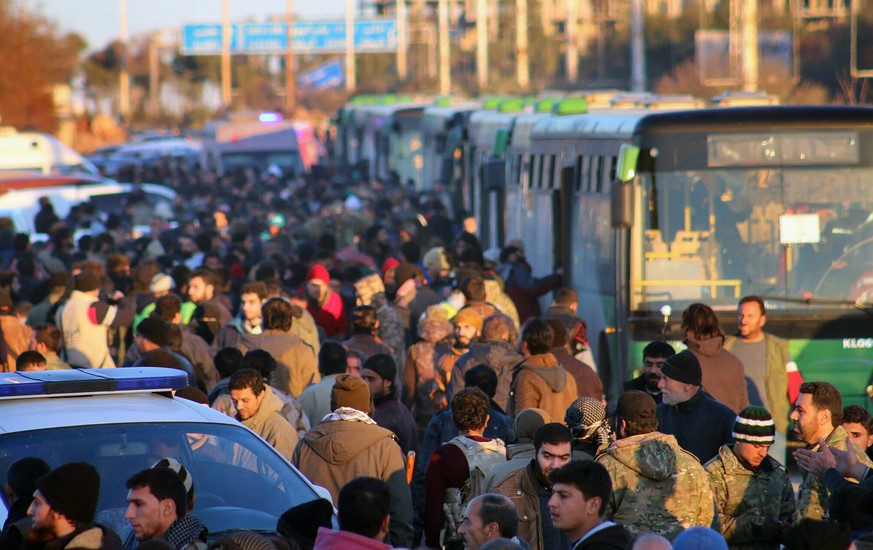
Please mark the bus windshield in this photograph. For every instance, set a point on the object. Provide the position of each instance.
(789, 233)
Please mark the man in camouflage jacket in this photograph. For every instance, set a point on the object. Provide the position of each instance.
(753, 493)
(818, 414)
(656, 485)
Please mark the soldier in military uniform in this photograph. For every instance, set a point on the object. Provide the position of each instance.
(753, 494)
(656, 485)
(818, 414)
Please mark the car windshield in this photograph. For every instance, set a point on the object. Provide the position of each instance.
(239, 481)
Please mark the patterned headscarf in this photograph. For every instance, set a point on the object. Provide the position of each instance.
(586, 419)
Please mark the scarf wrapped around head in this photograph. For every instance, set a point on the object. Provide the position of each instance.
(586, 418)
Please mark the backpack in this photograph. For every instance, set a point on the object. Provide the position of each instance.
(481, 459)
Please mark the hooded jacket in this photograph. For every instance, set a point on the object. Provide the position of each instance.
(268, 423)
(296, 364)
(497, 354)
(540, 382)
(724, 377)
(751, 503)
(421, 391)
(588, 384)
(337, 451)
(657, 486)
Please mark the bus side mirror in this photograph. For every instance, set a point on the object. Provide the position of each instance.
(494, 174)
(622, 204)
(622, 192)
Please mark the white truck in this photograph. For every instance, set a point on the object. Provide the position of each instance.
(39, 152)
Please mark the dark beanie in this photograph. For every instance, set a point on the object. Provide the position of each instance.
(683, 367)
(638, 407)
(72, 490)
(303, 521)
(22, 475)
(155, 330)
(383, 365)
(162, 358)
(86, 282)
(350, 391)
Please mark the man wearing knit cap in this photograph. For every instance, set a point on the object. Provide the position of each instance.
(753, 494)
(540, 381)
(347, 444)
(467, 327)
(325, 305)
(85, 321)
(379, 372)
(656, 485)
(63, 510)
(700, 424)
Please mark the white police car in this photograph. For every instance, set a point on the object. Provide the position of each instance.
(124, 420)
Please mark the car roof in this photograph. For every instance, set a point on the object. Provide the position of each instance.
(65, 398)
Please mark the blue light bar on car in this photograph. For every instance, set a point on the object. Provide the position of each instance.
(270, 117)
(90, 381)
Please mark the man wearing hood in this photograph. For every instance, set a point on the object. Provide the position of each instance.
(495, 350)
(723, 373)
(347, 444)
(325, 305)
(297, 366)
(540, 381)
(657, 486)
(256, 405)
(252, 296)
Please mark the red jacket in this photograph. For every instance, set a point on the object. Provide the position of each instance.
(331, 316)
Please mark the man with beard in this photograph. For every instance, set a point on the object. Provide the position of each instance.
(494, 350)
(158, 510)
(753, 494)
(211, 315)
(654, 355)
(379, 372)
(530, 489)
(817, 416)
(63, 510)
(467, 326)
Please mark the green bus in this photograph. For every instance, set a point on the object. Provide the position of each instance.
(652, 211)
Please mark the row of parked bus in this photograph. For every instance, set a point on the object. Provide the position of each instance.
(652, 203)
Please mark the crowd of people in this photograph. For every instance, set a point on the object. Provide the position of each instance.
(363, 332)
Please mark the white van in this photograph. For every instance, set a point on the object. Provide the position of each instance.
(40, 152)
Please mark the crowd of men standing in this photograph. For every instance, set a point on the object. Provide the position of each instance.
(363, 332)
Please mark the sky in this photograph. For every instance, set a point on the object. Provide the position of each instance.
(98, 20)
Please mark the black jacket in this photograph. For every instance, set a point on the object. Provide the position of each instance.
(639, 383)
(701, 425)
(613, 537)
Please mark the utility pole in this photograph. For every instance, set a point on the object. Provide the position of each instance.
(638, 56)
(225, 55)
(571, 30)
(154, 72)
(750, 45)
(445, 62)
(482, 43)
(123, 76)
(522, 64)
(402, 39)
(290, 73)
(351, 75)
